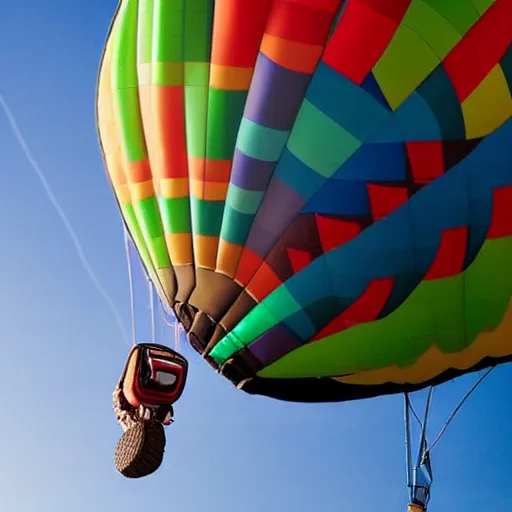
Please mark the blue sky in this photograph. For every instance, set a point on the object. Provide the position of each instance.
(62, 350)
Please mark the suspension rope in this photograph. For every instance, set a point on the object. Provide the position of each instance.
(152, 310)
(177, 343)
(414, 413)
(132, 294)
(423, 449)
(408, 449)
(174, 323)
(422, 453)
(458, 408)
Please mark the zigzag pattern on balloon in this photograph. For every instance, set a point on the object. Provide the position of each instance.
(372, 275)
(302, 171)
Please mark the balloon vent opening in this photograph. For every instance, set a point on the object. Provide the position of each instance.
(140, 450)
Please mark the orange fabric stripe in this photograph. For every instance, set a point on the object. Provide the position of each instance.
(215, 191)
(180, 248)
(123, 194)
(228, 257)
(115, 168)
(230, 78)
(210, 170)
(141, 191)
(299, 57)
(196, 167)
(137, 172)
(208, 191)
(197, 188)
(492, 343)
(173, 188)
(205, 251)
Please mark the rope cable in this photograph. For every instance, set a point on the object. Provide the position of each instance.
(458, 408)
(408, 449)
(132, 293)
(152, 309)
(423, 449)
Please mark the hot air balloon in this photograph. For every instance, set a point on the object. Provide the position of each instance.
(319, 190)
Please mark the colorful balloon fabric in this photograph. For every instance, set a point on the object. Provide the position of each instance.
(321, 189)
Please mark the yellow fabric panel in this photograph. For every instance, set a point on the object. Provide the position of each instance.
(488, 106)
(497, 343)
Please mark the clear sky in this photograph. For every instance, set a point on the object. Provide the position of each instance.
(62, 351)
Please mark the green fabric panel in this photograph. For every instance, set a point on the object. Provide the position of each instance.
(447, 314)
(167, 73)
(236, 230)
(482, 5)
(440, 35)
(407, 61)
(283, 302)
(159, 252)
(196, 107)
(244, 201)
(206, 216)
(198, 26)
(175, 214)
(461, 14)
(231, 343)
(130, 123)
(403, 336)
(148, 213)
(149, 219)
(125, 82)
(225, 110)
(257, 322)
(168, 32)
(260, 142)
(136, 232)
(198, 30)
(197, 77)
(197, 73)
(319, 142)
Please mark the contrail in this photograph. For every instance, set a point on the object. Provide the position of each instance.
(51, 196)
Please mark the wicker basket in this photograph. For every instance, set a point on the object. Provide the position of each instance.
(140, 450)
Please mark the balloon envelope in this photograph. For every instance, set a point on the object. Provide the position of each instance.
(320, 189)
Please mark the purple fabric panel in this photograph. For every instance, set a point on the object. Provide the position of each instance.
(275, 94)
(249, 173)
(279, 207)
(260, 241)
(273, 345)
